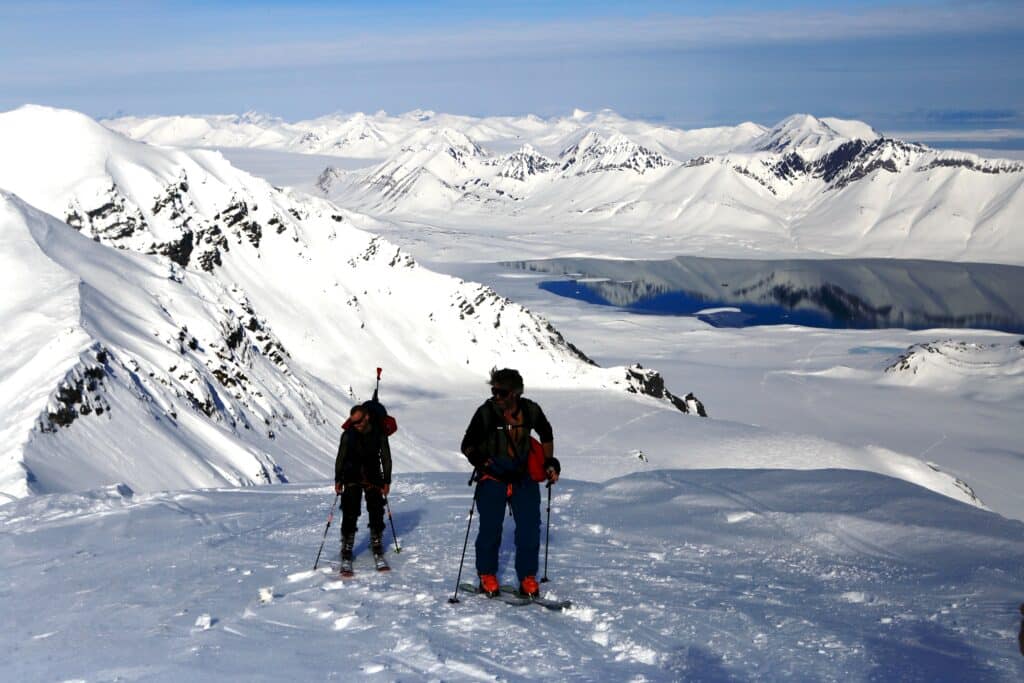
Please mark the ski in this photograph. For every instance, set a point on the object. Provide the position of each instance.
(555, 605)
(503, 597)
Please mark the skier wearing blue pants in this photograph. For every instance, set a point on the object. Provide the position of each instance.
(498, 445)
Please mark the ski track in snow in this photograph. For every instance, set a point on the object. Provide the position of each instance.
(674, 575)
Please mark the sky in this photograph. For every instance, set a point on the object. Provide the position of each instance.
(947, 68)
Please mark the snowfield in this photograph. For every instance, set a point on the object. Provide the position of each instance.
(825, 575)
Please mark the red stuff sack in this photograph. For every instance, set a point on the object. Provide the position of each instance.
(535, 462)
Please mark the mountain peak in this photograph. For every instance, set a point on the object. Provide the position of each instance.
(812, 136)
(595, 152)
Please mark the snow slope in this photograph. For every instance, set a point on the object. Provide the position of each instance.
(704, 575)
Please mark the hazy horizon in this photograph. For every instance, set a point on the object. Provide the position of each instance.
(937, 68)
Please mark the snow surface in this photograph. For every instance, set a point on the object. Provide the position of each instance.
(826, 575)
(830, 521)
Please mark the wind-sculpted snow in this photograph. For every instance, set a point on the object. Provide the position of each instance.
(955, 366)
(703, 575)
(208, 328)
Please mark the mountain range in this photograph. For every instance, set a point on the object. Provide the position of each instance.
(805, 187)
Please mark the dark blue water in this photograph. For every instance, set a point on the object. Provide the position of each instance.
(837, 294)
(684, 303)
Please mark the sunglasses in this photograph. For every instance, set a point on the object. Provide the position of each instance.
(498, 392)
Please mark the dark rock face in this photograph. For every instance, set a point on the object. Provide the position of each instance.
(173, 199)
(211, 241)
(848, 162)
(991, 166)
(699, 161)
(596, 156)
(80, 394)
(179, 251)
(237, 216)
(201, 241)
(111, 222)
(651, 383)
(524, 163)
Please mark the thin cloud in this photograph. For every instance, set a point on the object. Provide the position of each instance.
(977, 135)
(353, 46)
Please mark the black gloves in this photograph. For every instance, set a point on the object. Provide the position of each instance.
(552, 463)
(475, 459)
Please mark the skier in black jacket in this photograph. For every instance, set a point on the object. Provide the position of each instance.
(497, 444)
(363, 465)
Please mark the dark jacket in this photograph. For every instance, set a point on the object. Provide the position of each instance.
(491, 446)
(363, 458)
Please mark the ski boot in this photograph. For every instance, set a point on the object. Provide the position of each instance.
(377, 548)
(528, 587)
(489, 585)
(348, 541)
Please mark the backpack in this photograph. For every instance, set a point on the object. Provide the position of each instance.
(535, 456)
(379, 415)
(535, 464)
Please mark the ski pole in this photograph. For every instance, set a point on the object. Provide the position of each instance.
(455, 598)
(547, 537)
(376, 389)
(394, 535)
(330, 518)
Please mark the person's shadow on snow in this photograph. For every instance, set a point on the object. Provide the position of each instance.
(405, 521)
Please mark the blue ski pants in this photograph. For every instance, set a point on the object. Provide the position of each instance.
(491, 498)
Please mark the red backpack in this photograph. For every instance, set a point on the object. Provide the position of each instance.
(379, 414)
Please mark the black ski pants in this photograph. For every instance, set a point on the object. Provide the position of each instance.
(352, 504)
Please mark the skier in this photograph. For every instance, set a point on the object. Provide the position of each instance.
(363, 465)
(497, 443)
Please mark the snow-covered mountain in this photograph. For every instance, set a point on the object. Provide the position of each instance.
(379, 135)
(811, 136)
(806, 186)
(171, 321)
(955, 367)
